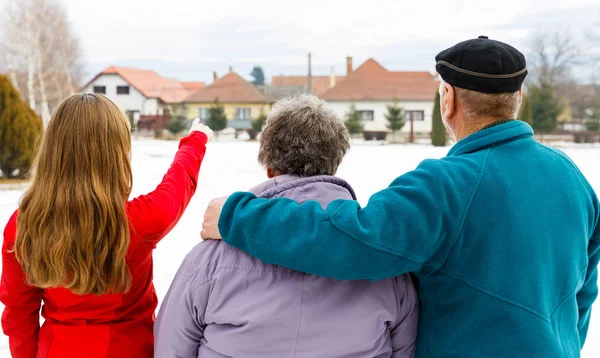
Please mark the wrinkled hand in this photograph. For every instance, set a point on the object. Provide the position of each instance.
(199, 127)
(210, 227)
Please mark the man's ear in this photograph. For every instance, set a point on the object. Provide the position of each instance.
(448, 105)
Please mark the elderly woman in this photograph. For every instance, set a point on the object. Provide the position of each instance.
(224, 303)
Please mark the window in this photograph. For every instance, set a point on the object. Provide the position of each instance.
(415, 115)
(203, 113)
(122, 89)
(367, 115)
(243, 113)
(100, 89)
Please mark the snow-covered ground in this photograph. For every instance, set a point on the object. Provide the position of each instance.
(231, 166)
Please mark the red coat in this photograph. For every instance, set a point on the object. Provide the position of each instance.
(110, 325)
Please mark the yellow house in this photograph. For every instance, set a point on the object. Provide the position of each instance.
(241, 100)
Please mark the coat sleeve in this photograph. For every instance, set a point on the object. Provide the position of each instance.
(21, 315)
(404, 331)
(589, 292)
(152, 216)
(179, 328)
(408, 227)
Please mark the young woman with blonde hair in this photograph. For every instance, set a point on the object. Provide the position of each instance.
(78, 245)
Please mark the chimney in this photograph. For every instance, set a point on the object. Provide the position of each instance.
(309, 84)
(349, 65)
(332, 78)
(215, 76)
(230, 68)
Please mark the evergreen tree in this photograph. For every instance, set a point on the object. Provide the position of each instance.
(258, 75)
(257, 126)
(176, 125)
(20, 129)
(395, 117)
(545, 108)
(217, 120)
(525, 113)
(438, 131)
(353, 121)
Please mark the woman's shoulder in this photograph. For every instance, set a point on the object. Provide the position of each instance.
(10, 230)
(212, 258)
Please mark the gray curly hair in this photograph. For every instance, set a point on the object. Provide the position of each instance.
(303, 137)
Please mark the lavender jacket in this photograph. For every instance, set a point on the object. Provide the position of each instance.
(224, 303)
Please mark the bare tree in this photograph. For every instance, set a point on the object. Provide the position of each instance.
(593, 38)
(41, 47)
(16, 42)
(553, 56)
(8, 65)
(68, 53)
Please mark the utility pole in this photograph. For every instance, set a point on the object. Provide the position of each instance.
(309, 85)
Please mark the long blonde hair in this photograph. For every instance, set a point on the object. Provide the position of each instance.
(72, 227)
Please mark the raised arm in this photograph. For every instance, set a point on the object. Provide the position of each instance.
(21, 316)
(407, 227)
(155, 214)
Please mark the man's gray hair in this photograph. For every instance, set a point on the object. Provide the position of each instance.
(303, 137)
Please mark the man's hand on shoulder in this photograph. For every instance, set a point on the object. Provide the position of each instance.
(210, 227)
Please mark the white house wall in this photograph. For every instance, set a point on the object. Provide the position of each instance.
(151, 107)
(380, 109)
(134, 101)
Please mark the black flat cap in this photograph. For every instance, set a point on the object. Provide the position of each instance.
(482, 65)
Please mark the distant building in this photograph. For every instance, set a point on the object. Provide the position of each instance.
(299, 84)
(241, 100)
(371, 88)
(142, 92)
(290, 85)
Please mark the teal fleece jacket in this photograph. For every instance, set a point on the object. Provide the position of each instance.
(502, 234)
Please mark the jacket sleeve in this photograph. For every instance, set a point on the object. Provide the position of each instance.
(588, 293)
(179, 328)
(404, 331)
(152, 216)
(408, 227)
(21, 315)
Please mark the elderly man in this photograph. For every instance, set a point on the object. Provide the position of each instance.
(502, 233)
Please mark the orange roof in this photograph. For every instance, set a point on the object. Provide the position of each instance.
(320, 84)
(231, 88)
(149, 83)
(193, 86)
(371, 82)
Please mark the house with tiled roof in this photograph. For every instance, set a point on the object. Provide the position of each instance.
(284, 85)
(192, 87)
(371, 88)
(299, 84)
(241, 100)
(141, 92)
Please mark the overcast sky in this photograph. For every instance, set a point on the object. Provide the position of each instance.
(188, 39)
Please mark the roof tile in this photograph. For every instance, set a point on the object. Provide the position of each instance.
(149, 83)
(373, 82)
(231, 88)
(320, 84)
